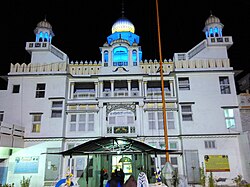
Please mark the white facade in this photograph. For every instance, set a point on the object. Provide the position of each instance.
(61, 104)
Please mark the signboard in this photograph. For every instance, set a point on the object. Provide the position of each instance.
(26, 164)
(216, 163)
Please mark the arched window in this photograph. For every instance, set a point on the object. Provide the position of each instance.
(46, 37)
(140, 56)
(216, 32)
(121, 121)
(120, 56)
(220, 31)
(134, 57)
(106, 56)
(211, 33)
(207, 35)
(41, 37)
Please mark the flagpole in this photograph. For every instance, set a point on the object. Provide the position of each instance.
(162, 86)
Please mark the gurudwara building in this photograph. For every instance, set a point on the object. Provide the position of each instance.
(57, 115)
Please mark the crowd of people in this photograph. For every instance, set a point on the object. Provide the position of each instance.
(117, 180)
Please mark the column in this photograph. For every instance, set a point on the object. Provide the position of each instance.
(101, 125)
(141, 117)
(129, 88)
(96, 89)
(101, 88)
(112, 87)
(145, 88)
(171, 88)
(140, 88)
(110, 58)
(72, 85)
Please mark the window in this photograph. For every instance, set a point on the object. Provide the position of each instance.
(151, 120)
(162, 145)
(1, 116)
(120, 56)
(134, 57)
(186, 112)
(82, 122)
(229, 118)
(184, 83)
(155, 120)
(121, 121)
(210, 144)
(172, 145)
(170, 120)
(106, 57)
(224, 85)
(132, 129)
(56, 109)
(109, 130)
(36, 122)
(160, 120)
(40, 90)
(163, 161)
(174, 160)
(72, 122)
(16, 88)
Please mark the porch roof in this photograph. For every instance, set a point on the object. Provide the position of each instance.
(114, 145)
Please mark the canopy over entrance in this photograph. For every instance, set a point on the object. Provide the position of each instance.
(114, 145)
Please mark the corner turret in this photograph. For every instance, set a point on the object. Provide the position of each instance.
(42, 51)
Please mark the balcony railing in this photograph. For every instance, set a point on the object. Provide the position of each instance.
(11, 135)
(156, 92)
(90, 94)
(81, 94)
(121, 93)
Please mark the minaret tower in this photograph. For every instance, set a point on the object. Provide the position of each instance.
(213, 27)
(42, 51)
(43, 31)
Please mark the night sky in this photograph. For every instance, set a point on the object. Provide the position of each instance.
(81, 27)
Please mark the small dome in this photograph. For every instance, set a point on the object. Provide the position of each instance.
(212, 19)
(123, 25)
(44, 24)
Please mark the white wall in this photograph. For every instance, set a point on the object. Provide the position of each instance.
(18, 106)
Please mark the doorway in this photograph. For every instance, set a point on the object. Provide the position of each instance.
(123, 162)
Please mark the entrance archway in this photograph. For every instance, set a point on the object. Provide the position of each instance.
(110, 153)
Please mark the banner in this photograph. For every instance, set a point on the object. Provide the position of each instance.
(26, 164)
(216, 163)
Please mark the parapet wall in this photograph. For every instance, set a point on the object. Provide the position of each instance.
(202, 64)
(32, 68)
(148, 67)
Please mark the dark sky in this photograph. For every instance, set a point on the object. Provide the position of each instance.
(81, 27)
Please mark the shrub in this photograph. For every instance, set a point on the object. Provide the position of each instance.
(25, 182)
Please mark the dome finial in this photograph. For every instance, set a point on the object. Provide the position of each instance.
(123, 8)
(211, 12)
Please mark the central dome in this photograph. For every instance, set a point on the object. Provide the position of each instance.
(212, 19)
(123, 25)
